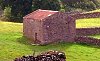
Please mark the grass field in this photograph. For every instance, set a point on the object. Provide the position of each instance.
(95, 36)
(98, 10)
(12, 45)
(88, 23)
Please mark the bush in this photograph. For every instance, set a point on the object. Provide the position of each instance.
(6, 14)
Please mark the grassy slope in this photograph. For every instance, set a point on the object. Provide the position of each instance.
(95, 36)
(12, 45)
(91, 22)
(84, 23)
(98, 10)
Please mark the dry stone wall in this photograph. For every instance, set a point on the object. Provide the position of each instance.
(87, 31)
(87, 40)
(81, 33)
(87, 15)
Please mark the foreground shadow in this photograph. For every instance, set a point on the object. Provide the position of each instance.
(23, 40)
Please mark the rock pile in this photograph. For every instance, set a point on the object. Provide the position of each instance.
(47, 56)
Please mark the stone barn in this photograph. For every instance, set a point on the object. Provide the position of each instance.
(46, 26)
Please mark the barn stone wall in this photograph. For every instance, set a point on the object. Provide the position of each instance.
(32, 29)
(58, 28)
(26, 28)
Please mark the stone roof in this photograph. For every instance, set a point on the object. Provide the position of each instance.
(40, 14)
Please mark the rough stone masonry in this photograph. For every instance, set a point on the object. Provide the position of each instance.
(46, 26)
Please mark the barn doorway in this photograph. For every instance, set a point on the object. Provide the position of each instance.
(35, 36)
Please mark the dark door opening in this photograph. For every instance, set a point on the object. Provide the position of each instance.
(35, 36)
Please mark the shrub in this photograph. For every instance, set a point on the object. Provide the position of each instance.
(6, 14)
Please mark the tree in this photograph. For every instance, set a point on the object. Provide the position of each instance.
(86, 5)
(19, 8)
(46, 4)
(27, 7)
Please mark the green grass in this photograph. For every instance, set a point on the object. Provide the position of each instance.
(12, 45)
(98, 10)
(88, 23)
(95, 36)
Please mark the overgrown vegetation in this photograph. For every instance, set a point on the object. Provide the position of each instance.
(6, 14)
(20, 8)
(81, 5)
